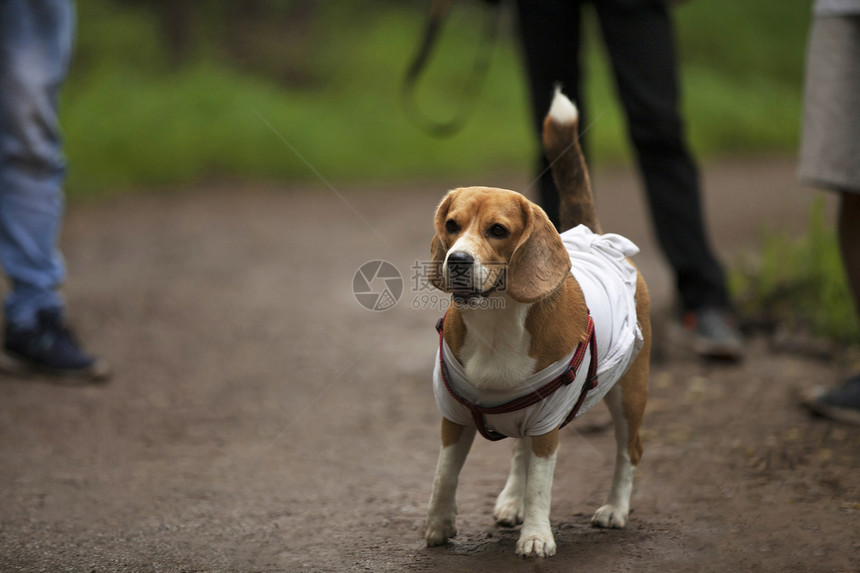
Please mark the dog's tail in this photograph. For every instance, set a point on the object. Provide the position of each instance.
(561, 145)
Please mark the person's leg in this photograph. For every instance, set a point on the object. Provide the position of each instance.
(829, 149)
(849, 242)
(843, 402)
(36, 38)
(550, 36)
(640, 40)
(35, 48)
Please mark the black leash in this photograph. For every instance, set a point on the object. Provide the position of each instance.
(472, 88)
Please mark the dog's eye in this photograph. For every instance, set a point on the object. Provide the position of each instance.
(451, 226)
(498, 231)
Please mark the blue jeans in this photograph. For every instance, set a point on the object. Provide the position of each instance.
(36, 38)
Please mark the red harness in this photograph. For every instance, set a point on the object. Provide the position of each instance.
(532, 398)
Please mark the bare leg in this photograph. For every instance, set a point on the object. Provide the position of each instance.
(849, 242)
(843, 402)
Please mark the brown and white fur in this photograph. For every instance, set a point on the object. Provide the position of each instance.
(542, 318)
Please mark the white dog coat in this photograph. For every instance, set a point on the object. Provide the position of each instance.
(608, 281)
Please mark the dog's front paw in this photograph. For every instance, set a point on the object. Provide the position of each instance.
(440, 529)
(610, 516)
(536, 542)
(509, 510)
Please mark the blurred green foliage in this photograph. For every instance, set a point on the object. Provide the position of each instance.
(147, 107)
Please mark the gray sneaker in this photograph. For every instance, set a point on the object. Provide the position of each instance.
(841, 404)
(715, 334)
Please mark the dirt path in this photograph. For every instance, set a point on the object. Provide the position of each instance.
(261, 420)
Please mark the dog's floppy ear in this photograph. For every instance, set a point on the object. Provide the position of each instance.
(438, 249)
(540, 263)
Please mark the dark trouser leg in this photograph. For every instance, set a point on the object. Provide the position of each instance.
(549, 31)
(640, 41)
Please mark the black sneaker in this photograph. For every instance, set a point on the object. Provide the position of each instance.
(49, 348)
(715, 334)
(841, 404)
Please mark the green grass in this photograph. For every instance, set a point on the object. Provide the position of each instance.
(743, 68)
(799, 282)
(133, 119)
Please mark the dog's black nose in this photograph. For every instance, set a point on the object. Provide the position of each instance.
(460, 258)
(460, 270)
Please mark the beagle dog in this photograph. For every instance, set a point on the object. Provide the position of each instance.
(542, 326)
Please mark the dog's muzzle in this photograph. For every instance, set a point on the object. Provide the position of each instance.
(465, 278)
(461, 274)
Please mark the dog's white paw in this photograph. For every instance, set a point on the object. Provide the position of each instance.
(440, 529)
(610, 516)
(536, 542)
(509, 510)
